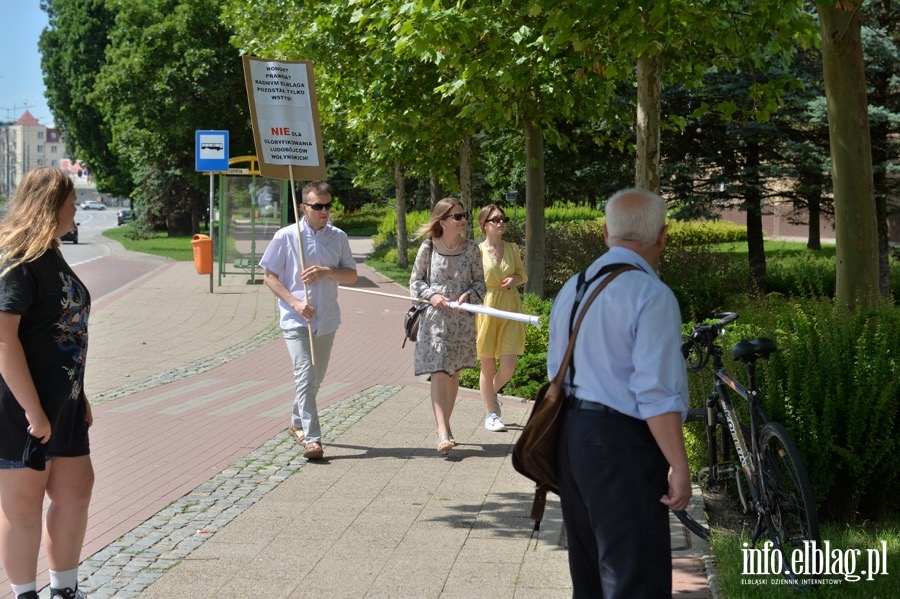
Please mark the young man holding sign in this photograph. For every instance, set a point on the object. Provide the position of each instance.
(307, 298)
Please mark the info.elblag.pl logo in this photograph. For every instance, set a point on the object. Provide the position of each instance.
(814, 564)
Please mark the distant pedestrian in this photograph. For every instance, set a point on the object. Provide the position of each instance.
(622, 462)
(447, 269)
(499, 339)
(329, 262)
(44, 413)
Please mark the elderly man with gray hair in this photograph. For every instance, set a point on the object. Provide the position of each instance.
(622, 460)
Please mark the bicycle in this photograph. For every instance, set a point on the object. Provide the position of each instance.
(767, 464)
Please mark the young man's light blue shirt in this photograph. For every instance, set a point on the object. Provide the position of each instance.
(327, 247)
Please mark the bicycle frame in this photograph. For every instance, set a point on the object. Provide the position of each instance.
(767, 457)
(748, 457)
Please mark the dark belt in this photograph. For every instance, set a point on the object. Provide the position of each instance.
(576, 404)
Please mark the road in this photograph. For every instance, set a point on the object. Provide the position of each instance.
(94, 260)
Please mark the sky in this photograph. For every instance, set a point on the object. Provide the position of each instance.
(21, 80)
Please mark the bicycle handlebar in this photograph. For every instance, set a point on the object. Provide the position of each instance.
(701, 339)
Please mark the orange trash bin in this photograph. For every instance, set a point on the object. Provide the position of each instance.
(203, 259)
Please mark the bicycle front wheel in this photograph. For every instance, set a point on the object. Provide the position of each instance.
(792, 512)
(694, 518)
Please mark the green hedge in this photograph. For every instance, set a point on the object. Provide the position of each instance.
(694, 233)
(835, 384)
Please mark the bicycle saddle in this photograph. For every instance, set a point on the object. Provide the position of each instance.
(750, 351)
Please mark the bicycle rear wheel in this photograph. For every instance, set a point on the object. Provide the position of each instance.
(793, 518)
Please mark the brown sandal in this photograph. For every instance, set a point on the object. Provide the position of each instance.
(298, 435)
(313, 451)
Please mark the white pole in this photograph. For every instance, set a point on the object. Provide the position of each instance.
(297, 214)
(526, 318)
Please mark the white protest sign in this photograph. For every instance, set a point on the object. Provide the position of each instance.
(285, 116)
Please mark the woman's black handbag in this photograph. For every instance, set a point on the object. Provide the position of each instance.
(411, 319)
(411, 322)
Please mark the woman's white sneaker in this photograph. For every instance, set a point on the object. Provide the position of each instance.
(493, 423)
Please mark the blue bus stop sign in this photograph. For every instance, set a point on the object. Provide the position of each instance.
(211, 151)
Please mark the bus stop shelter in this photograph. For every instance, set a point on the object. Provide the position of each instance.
(251, 209)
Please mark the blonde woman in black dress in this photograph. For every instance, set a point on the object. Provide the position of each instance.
(44, 414)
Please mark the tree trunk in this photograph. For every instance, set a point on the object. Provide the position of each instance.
(856, 232)
(647, 128)
(465, 178)
(437, 190)
(535, 227)
(884, 246)
(756, 249)
(402, 235)
(814, 238)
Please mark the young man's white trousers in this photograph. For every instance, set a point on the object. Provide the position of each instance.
(308, 378)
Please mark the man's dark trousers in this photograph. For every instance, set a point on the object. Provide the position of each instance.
(612, 475)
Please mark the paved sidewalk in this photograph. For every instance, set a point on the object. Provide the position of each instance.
(201, 493)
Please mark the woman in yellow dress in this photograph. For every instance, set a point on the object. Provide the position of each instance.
(499, 339)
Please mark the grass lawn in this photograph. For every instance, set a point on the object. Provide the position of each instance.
(364, 222)
(777, 249)
(158, 244)
(849, 551)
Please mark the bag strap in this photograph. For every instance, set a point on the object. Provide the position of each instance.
(570, 350)
(580, 290)
(582, 287)
(430, 243)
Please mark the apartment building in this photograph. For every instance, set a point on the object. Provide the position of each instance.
(24, 145)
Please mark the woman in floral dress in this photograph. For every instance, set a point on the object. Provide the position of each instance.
(447, 269)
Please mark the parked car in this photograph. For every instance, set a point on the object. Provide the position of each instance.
(72, 235)
(124, 215)
(91, 205)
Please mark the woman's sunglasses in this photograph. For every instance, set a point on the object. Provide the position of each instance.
(457, 217)
(498, 219)
(318, 207)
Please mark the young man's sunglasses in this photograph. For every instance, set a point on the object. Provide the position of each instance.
(318, 207)
(457, 217)
(498, 219)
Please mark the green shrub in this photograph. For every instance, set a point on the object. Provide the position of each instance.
(703, 280)
(835, 385)
(387, 227)
(362, 222)
(570, 247)
(565, 212)
(704, 232)
(806, 275)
